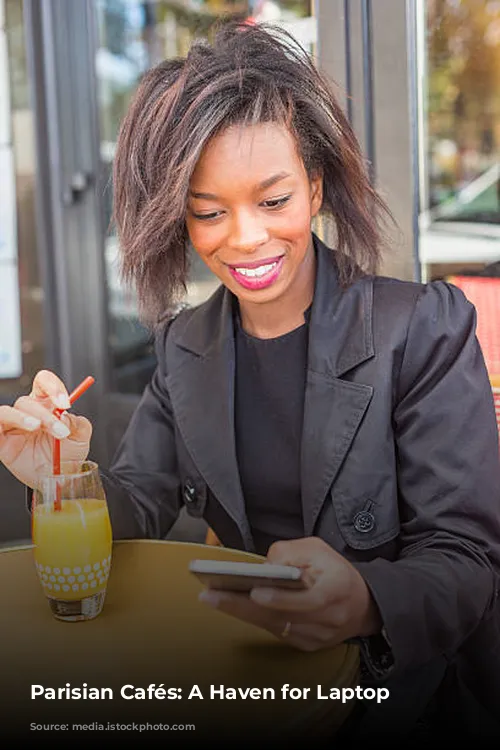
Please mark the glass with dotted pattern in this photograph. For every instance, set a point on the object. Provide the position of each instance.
(72, 546)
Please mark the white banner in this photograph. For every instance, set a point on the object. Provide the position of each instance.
(10, 321)
(4, 92)
(10, 324)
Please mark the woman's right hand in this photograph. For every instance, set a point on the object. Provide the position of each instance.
(28, 428)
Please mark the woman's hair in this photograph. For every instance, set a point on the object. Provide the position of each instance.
(249, 75)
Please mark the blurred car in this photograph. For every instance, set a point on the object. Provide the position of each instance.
(466, 228)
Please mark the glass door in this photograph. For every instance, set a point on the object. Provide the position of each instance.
(22, 334)
(23, 349)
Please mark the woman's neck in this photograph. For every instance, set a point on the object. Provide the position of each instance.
(272, 319)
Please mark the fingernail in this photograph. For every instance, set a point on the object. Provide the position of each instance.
(60, 430)
(32, 423)
(210, 597)
(261, 596)
(62, 401)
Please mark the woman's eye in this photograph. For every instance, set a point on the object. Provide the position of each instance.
(277, 202)
(207, 217)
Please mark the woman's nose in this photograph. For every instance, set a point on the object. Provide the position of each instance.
(247, 232)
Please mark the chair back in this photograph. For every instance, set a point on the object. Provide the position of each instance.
(484, 293)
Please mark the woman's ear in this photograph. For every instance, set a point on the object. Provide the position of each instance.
(316, 183)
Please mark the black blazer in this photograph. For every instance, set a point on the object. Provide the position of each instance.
(400, 469)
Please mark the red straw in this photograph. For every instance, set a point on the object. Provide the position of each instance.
(56, 456)
(80, 390)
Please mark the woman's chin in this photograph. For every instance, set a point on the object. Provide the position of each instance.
(258, 296)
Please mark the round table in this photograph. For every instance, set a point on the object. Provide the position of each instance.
(153, 630)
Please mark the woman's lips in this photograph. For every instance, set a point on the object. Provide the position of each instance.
(257, 275)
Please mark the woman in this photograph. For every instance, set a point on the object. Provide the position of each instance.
(310, 410)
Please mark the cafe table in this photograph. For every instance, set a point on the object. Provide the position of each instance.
(154, 631)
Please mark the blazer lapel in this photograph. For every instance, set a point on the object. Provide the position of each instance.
(201, 388)
(340, 338)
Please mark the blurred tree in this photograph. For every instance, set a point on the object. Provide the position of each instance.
(115, 26)
(463, 43)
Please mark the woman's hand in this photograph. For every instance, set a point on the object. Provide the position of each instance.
(27, 430)
(337, 606)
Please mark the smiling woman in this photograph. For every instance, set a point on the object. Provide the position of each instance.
(310, 411)
(249, 218)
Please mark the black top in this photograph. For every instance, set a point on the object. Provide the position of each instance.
(269, 412)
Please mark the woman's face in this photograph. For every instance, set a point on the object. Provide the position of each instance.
(249, 213)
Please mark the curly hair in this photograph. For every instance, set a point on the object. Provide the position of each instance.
(250, 74)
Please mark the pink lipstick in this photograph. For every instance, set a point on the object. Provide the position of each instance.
(257, 274)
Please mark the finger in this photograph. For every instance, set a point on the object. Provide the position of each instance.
(14, 419)
(51, 424)
(241, 607)
(301, 553)
(80, 427)
(47, 385)
(304, 636)
(310, 600)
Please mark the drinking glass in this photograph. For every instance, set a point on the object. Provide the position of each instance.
(72, 540)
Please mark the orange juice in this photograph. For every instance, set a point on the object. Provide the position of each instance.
(73, 549)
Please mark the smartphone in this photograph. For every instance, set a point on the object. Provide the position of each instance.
(237, 576)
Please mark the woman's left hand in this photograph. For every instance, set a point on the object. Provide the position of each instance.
(337, 606)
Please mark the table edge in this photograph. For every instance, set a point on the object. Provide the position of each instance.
(166, 542)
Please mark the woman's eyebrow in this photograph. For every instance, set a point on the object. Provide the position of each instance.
(267, 183)
(273, 180)
(205, 196)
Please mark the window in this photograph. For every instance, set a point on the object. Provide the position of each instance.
(461, 221)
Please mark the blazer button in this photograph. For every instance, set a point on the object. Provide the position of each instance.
(364, 521)
(189, 491)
